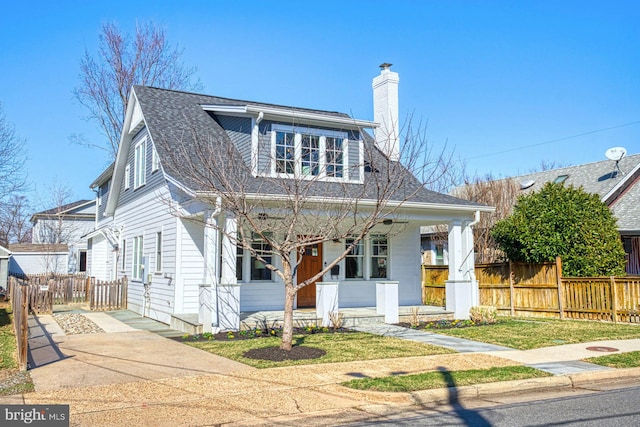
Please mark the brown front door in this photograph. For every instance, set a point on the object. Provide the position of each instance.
(310, 264)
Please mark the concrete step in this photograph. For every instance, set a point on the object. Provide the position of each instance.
(186, 322)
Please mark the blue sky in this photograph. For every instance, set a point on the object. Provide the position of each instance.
(495, 80)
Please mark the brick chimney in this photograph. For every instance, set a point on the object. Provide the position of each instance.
(385, 111)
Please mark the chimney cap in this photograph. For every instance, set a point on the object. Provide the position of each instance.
(385, 66)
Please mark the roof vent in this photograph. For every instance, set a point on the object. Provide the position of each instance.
(526, 184)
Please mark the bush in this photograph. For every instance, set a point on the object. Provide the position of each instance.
(483, 315)
(567, 222)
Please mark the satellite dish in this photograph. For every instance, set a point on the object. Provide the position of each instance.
(615, 153)
(526, 184)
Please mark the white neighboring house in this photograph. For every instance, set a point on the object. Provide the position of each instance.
(57, 244)
(169, 258)
(5, 255)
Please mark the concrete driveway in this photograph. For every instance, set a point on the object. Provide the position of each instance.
(122, 354)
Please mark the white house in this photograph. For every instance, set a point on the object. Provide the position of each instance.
(169, 258)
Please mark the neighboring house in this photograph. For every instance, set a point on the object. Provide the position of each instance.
(5, 255)
(168, 257)
(617, 184)
(35, 258)
(66, 224)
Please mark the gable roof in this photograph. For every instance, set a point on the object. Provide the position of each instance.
(65, 210)
(617, 185)
(173, 118)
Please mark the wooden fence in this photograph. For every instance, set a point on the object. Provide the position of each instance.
(19, 294)
(45, 291)
(520, 289)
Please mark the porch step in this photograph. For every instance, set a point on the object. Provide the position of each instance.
(352, 317)
(186, 322)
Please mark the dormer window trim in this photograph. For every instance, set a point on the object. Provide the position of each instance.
(292, 153)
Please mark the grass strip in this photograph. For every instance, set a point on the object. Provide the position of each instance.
(7, 339)
(443, 379)
(620, 360)
(529, 333)
(339, 347)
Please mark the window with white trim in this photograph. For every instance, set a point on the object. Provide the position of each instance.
(123, 255)
(309, 152)
(158, 251)
(140, 164)
(155, 160)
(379, 255)
(127, 177)
(354, 261)
(137, 258)
(259, 271)
(239, 262)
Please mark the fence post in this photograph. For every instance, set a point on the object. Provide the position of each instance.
(511, 292)
(87, 289)
(559, 282)
(614, 299)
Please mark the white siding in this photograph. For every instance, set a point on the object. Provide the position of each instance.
(145, 217)
(38, 262)
(405, 265)
(262, 296)
(191, 263)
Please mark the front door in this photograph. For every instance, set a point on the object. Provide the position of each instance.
(310, 264)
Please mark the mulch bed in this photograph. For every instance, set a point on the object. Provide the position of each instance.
(276, 354)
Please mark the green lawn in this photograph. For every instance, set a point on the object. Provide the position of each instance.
(525, 334)
(620, 360)
(340, 347)
(442, 379)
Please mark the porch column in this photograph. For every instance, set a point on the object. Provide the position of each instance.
(211, 273)
(469, 262)
(229, 289)
(459, 289)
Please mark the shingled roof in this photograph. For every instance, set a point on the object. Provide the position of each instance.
(174, 117)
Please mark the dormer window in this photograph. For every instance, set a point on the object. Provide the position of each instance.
(140, 164)
(308, 152)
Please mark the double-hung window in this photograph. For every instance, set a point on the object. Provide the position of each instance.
(334, 156)
(310, 155)
(158, 251)
(140, 164)
(354, 261)
(285, 152)
(368, 259)
(379, 257)
(259, 271)
(138, 267)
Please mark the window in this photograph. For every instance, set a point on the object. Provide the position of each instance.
(138, 267)
(285, 152)
(258, 270)
(379, 257)
(335, 162)
(309, 152)
(239, 262)
(354, 261)
(139, 167)
(155, 161)
(127, 177)
(123, 255)
(310, 155)
(560, 179)
(439, 253)
(158, 251)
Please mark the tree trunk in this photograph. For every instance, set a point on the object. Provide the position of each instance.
(287, 328)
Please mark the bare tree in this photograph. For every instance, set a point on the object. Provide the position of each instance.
(122, 61)
(499, 193)
(291, 215)
(14, 221)
(12, 160)
(53, 226)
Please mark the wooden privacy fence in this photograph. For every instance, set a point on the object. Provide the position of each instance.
(19, 294)
(521, 289)
(46, 291)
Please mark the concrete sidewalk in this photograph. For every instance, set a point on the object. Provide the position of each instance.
(133, 377)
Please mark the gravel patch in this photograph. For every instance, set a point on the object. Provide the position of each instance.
(75, 324)
(15, 383)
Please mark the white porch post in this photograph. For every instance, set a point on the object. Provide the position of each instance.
(460, 293)
(208, 313)
(229, 289)
(469, 262)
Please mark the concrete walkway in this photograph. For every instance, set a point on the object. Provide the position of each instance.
(558, 360)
